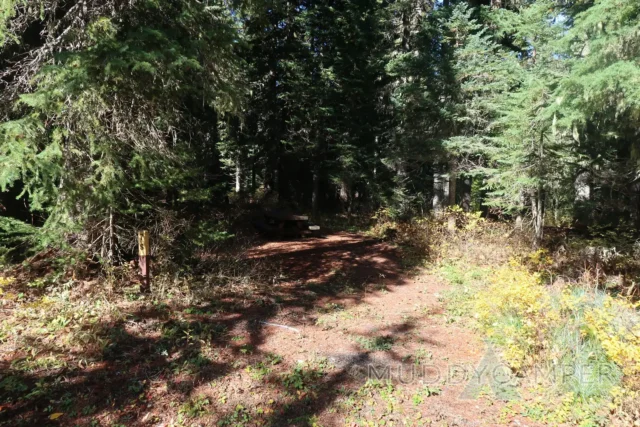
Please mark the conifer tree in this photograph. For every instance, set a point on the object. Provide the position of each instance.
(97, 132)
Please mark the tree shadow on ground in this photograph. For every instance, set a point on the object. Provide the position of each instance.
(159, 354)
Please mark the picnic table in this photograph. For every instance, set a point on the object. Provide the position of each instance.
(286, 224)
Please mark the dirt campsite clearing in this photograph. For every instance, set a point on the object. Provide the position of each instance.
(338, 334)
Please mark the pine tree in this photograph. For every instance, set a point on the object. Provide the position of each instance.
(601, 105)
(99, 129)
(421, 93)
(484, 72)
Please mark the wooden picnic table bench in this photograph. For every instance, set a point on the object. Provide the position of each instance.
(285, 224)
(284, 216)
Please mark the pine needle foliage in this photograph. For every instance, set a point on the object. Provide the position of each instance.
(99, 132)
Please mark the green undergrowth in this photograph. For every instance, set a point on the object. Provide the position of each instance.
(570, 337)
(466, 281)
(379, 343)
(575, 349)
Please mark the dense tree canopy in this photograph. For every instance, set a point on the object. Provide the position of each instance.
(117, 112)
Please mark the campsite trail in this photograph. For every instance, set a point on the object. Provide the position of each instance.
(368, 319)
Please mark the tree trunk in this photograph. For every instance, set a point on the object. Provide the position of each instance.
(406, 30)
(453, 177)
(315, 194)
(537, 209)
(253, 176)
(345, 195)
(438, 193)
(238, 176)
(466, 194)
(582, 187)
(110, 250)
(271, 172)
(107, 250)
(635, 202)
(637, 212)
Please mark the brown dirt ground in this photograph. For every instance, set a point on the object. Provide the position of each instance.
(336, 293)
(377, 301)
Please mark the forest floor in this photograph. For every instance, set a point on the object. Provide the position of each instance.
(346, 336)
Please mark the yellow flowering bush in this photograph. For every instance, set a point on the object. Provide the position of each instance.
(511, 311)
(467, 221)
(617, 326)
(4, 281)
(624, 406)
(580, 345)
(539, 259)
(571, 302)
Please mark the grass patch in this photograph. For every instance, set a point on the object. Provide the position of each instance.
(305, 377)
(467, 281)
(421, 356)
(38, 364)
(195, 407)
(375, 403)
(333, 314)
(259, 371)
(238, 418)
(423, 393)
(380, 343)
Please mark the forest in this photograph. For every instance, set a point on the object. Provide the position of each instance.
(478, 158)
(115, 113)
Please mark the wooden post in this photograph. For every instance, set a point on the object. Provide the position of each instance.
(144, 260)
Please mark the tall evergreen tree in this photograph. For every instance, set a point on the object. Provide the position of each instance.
(98, 131)
(601, 104)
